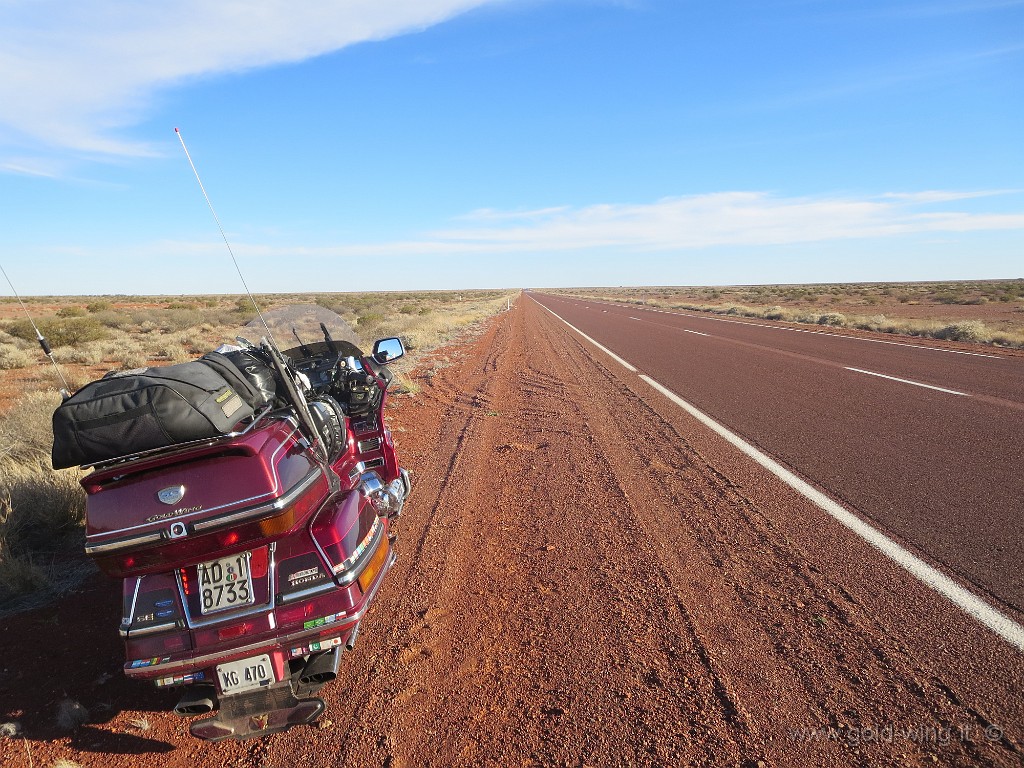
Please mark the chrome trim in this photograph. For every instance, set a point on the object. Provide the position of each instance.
(133, 541)
(179, 446)
(349, 575)
(370, 483)
(373, 444)
(297, 490)
(374, 463)
(152, 630)
(291, 597)
(126, 621)
(199, 663)
(224, 617)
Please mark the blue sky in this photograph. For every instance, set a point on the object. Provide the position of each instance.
(430, 144)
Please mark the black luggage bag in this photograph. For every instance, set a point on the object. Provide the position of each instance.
(129, 412)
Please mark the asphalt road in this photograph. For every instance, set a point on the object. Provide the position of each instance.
(926, 444)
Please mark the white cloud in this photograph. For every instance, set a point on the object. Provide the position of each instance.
(75, 73)
(726, 218)
(751, 219)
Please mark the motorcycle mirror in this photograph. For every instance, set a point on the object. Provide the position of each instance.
(387, 350)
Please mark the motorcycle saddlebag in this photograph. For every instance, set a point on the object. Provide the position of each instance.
(134, 411)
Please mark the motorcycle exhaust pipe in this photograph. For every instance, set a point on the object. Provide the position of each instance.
(351, 642)
(320, 669)
(197, 700)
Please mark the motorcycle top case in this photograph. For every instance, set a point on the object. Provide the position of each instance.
(134, 411)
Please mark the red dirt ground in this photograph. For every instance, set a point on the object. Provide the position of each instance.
(579, 583)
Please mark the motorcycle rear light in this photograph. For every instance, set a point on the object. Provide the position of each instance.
(230, 633)
(294, 613)
(278, 524)
(373, 568)
(157, 645)
(229, 539)
(186, 585)
(259, 563)
(345, 533)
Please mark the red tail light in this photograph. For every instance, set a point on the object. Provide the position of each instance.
(230, 633)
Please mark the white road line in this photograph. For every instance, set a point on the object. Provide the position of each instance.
(816, 333)
(596, 344)
(908, 381)
(634, 318)
(971, 604)
(696, 332)
(1002, 625)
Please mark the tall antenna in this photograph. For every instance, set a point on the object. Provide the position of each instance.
(39, 337)
(217, 219)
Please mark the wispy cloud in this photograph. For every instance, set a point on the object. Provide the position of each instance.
(674, 224)
(727, 218)
(74, 74)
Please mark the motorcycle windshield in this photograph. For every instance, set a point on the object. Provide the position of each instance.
(299, 331)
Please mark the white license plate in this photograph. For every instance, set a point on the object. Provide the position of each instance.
(225, 583)
(241, 675)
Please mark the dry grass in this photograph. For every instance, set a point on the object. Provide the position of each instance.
(984, 312)
(42, 511)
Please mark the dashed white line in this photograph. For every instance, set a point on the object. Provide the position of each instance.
(815, 333)
(1008, 629)
(698, 333)
(908, 381)
(1002, 625)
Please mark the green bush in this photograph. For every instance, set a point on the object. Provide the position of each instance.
(11, 357)
(832, 318)
(968, 330)
(71, 312)
(60, 331)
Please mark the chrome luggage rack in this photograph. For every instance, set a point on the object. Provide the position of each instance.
(170, 450)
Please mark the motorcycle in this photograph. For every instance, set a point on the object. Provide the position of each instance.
(248, 554)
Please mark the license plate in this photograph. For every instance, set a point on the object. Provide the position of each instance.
(241, 675)
(225, 583)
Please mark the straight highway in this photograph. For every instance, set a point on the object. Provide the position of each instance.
(923, 442)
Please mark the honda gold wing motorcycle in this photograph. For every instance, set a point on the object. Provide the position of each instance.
(247, 501)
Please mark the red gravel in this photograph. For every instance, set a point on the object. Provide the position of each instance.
(580, 582)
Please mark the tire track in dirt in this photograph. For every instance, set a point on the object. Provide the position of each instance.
(800, 634)
(578, 583)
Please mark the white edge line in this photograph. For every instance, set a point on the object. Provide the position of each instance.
(1008, 629)
(698, 333)
(604, 349)
(1002, 625)
(708, 316)
(908, 381)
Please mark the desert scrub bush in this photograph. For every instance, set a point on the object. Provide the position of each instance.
(774, 313)
(85, 354)
(71, 311)
(131, 356)
(41, 509)
(173, 352)
(98, 306)
(968, 330)
(832, 318)
(13, 357)
(59, 331)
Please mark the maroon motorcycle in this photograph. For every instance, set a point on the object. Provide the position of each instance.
(247, 500)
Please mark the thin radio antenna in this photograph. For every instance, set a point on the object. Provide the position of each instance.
(217, 219)
(39, 336)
